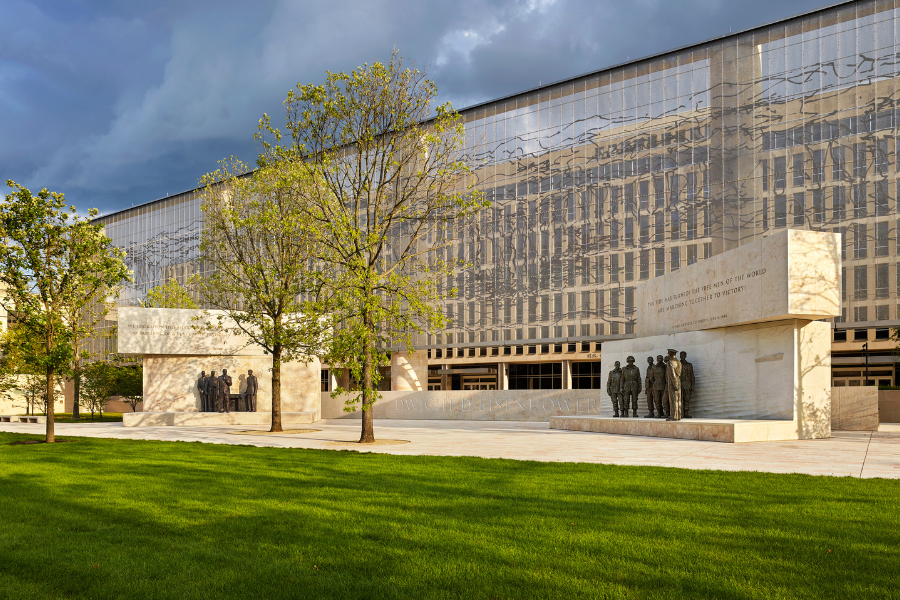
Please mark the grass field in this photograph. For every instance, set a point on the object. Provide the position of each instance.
(94, 518)
(108, 417)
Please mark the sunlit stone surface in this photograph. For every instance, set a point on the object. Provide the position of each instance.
(176, 348)
(745, 319)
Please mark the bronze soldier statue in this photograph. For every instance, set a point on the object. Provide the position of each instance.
(201, 390)
(250, 392)
(225, 389)
(659, 388)
(631, 387)
(614, 387)
(673, 381)
(648, 385)
(687, 385)
(212, 392)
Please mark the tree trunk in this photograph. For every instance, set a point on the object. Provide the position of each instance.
(276, 388)
(51, 434)
(76, 394)
(367, 436)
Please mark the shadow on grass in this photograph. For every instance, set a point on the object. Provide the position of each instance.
(192, 520)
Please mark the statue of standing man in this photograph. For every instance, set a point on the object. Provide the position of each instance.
(250, 392)
(659, 389)
(687, 386)
(673, 381)
(614, 387)
(631, 387)
(201, 390)
(212, 392)
(224, 389)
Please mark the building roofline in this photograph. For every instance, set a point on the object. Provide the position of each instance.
(570, 79)
(657, 55)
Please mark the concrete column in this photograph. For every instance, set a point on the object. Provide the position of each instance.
(409, 372)
(445, 380)
(502, 376)
(567, 375)
(332, 380)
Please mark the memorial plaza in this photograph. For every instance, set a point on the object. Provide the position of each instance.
(660, 377)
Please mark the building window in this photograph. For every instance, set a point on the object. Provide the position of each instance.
(543, 376)
(660, 262)
(818, 206)
(799, 177)
(799, 209)
(859, 160)
(645, 264)
(882, 206)
(587, 376)
(676, 258)
(859, 200)
(838, 203)
(882, 159)
(860, 282)
(881, 281)
(838, 163)
(860, 241)
(780, 172)
(629, 266)
(660, 233)
(881, 238)
(818, 166)
(780, 211)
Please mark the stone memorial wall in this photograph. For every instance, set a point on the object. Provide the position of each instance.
(176, 346)
(749, 321)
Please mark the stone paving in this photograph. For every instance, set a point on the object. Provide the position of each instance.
(847, 453)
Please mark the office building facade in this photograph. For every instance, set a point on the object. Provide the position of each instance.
(605, 180)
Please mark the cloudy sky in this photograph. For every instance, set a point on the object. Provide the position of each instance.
(117, 103)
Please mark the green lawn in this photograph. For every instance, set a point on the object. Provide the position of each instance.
(85, 417)
(95, 518)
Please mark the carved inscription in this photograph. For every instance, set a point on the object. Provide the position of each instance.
(718, 290)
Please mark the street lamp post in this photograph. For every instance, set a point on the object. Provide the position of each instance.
(866, 348)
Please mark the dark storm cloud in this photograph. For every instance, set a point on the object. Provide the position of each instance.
(119, 103)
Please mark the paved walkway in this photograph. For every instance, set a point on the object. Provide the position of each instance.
(848, 453)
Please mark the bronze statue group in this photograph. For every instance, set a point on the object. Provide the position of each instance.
(215, 392)
(669, 384)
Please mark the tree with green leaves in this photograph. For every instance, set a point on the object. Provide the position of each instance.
(99, 383)
(386, 182)
(130, 384)
(169, 295)
(53, 261)
(257, 254)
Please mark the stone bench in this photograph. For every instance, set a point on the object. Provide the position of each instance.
(22, 419)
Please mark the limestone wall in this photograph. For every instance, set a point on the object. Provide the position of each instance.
(889, 406)
(854, 408)
(767, 371)
(170, 382)
(492, 405)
